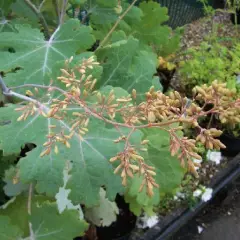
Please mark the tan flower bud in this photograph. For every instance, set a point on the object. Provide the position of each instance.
(151, 117)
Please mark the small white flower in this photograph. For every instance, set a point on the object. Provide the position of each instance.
(207, 195)
(152, 221)
(214, 156)
(200, 229)
(146, 221)
(175, 198)
(180, 195)
(197, 193)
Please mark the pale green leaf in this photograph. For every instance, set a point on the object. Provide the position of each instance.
(104, 214)
(36, 56)
(89, 156)
(9, 231)
(139, 201)
(46, 222)
(150, 30)
(62, 196)
(168, 168)
(13, 189)
(5, 6)
(21, 8)
(126, 65)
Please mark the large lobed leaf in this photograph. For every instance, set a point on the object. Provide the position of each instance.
(89, 156)
(104, 214)
(127, 65)
(46, 222)
(36, 56)
(169, 174)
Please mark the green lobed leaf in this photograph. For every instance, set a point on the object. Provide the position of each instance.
(13, 189)
(62, 196)
(46, 222)
(89, 156)
(139, 201)
(23, 10)
(150, 30)
(169, 173)
(105, 13)
(168, 169)
(5, 6)
(126, 65)
(36, 56)
(8, 230)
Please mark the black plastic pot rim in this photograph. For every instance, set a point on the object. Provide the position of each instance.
(188, 214)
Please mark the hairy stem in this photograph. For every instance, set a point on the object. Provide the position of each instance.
(40, 16)
(116, 24)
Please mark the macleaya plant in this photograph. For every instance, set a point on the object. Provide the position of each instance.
(77, 113)
(78, 127)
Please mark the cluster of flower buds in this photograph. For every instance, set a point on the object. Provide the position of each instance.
(224, 100)
(131, 162)
(158, 110)
(54, 139)
(159, 107)
(77, 78)
(207, 138)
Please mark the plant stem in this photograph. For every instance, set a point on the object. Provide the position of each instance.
(40, 16)
(29, 204)
(29, 209)
(86, 108)
(210, 121)
(62, 12)
(57, 10)
(116, 24)
(3, 86)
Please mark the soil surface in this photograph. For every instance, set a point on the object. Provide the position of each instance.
(220, 220)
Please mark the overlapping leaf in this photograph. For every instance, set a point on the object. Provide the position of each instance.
(126, 65)
(90, 156)
(36, 56)
(150, 30)
(46, 222)
(105, 13)
(168, 168)
(8, 230)
(104, 214)
(5, 6)
(169, 173)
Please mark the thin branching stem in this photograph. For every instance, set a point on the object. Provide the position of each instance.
(3, 86)
(116, 24)
(38, 13)
(87, 109)
(29, 204)
(57, 9)
(29, 209)
(62, 11)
